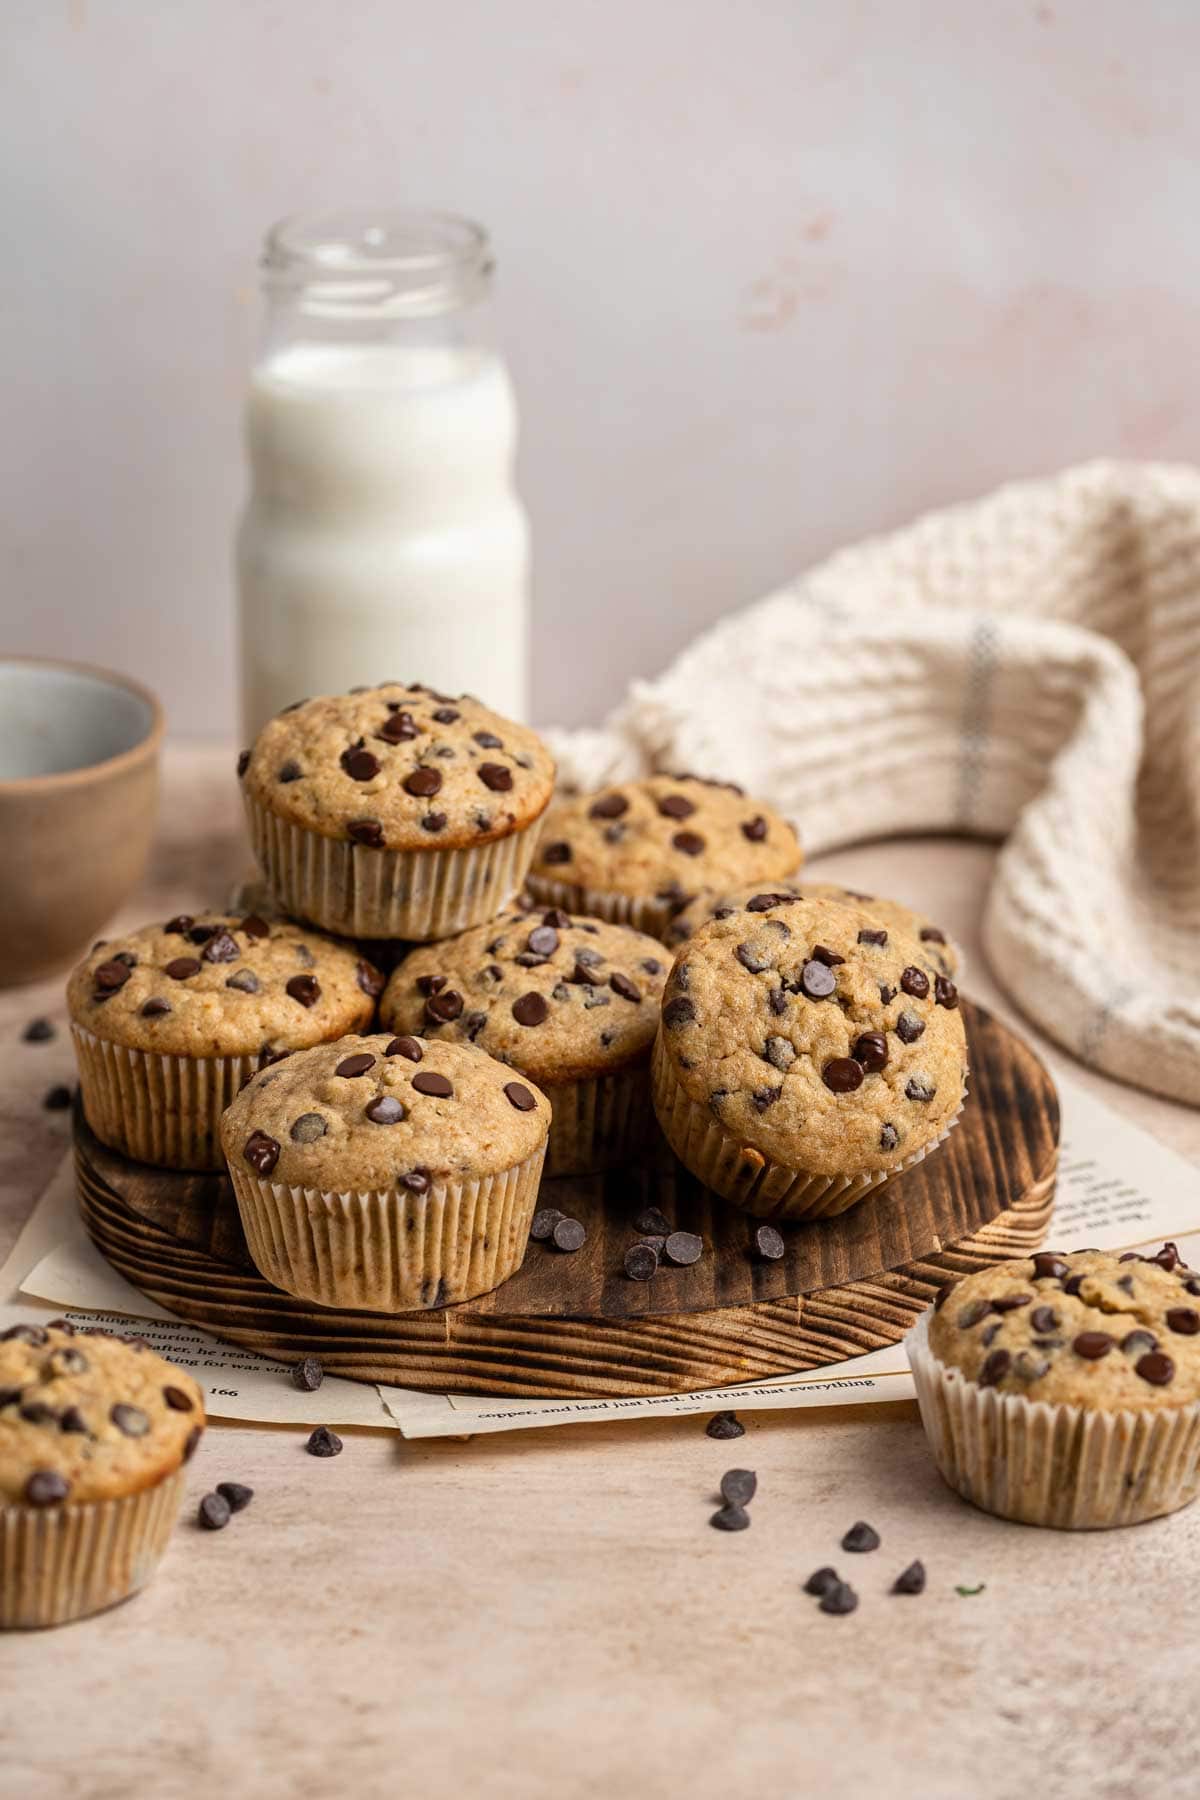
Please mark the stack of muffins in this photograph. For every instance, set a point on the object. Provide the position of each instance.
(386, 1138)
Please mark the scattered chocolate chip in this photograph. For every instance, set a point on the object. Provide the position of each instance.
(931, 935)
(385, 1109)
(1049, 1266)
(324, 1442)
(817, 980)
(441, 1008)
(1092, 1345)
(915, 981)
(568, 1234)
(842, 1075)
(676, 806)
(530, 1009)
(608, 806)
(724, 1426)
(446, 715)
(519, 1096)
(367, 832)
(909, 1027)
(920, 1087)
(763, 1097)
(191, 1442)
(261, 1152)
(369, 980)
(1167, 1258)
(304, 988)
(542, 940)
(1184, 1320)
(131, 1421)
(889, 1137)
(417, 1181)
(495, 776)
(861, 1536)
(677, 1012)
(544, 1221)
(438, 1087)
(821, 1580)
(308, 1128)
(689, 842)
(360, 764)
(830, 958)
(214, 1512)
(871, 1050)
(641, 1262)
(556, 853)
(840, 1598)
(399, 727)
(1043, 1319)
(738, 1486)
(182, 968)
(36, 1412)
(38, 1031)
(431, 984)
(235, 1494)
(768, 1243)
(57, 1099)
(67, 1361)
(111, 975)
(289, 771)
(872, 937)
(200, 934)
(487, 740)
(178, 1400)
(46, 1487)
(423, 783)
(1155, 1368)
(628, 990)
(407, 1047)
(25, 1334)
(910, 1580)
(245, 981)
(995, 1367)
(72, 1420)
(683, 1248)
(1137, 1343)
(944, 992)
(755, 829)
(1005, 1303)
(243, 763)
(307, 1374)
(731, 1518)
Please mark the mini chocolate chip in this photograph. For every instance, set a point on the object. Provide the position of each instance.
(731, 1518)
(446, 715)
(1184, 1320)
(821, 1580)
(36, 1412)
(495, 776)
(860, 1537)
(915, 981)
(530, 1009)
(200, 934)
(1049, 1266)
(738, 1486)
(66, 1361)
(1043, 1319)
(178, 1400)
(842, 1075)
(651, 965)
(689, 842)
(487, 740)
(405, 1046)
(628, 990)
(920, 1087)
(438, 1087)
(608, 806)
(817, 980)
(237, 1495)
(1167, 1258)
(995, 1367)
(676, 806)
(931, 935)
(399, 727)
(945, 992)
(568, 1235)
(830, 958)
(304, 988)
(441, 1008)
(763, 1097)
(542, 940)
(886, 994)
(130, 1420)
(367, 832)
(1092, 1345)
(324, 1442)
(369, 980)
(724, 1426)
(289, 771)
(1073, 1284)
(556, 853)
(683, 1248)
(25, 1334)
(519, 1096)
(641, 1262)
(221, 947)
(243, 763)
(990, 1334)
(417, 1181)
(307, 1374)
(678, 1012)
(245, 981)
(910, 1580)
(544, 1221)
(385, 1109)
(57, 1099)
(431, 984)
(214, 1512)
(38, 1031)
(1155, 1368)
(909, 1027)
(360, 764)
(871, 1050)
(111, 975)
(72, 1420)
(1005, 1303)
(46, 1487)
(1136, 1343)
(261, 1152)
(755, 829)
(889, 1137)
(753, 960)
(839, 1599)
(182, 968)
(768, 1243)
(872, 937)
(423, 783)
(308, 1128)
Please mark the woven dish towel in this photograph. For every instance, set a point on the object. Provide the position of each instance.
(1024, 667)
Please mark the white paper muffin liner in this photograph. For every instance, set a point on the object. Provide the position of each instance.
(59, 1563)
(601, 1123)
(361, 893)
(1071, 1467)
(158, 1109)
(390, 1251)
(742, 1175)
(641, 911)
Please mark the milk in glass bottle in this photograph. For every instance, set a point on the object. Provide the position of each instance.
(383, 539)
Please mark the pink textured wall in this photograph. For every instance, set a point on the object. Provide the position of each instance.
(773, 274)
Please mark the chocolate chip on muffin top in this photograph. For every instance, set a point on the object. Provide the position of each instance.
(1093, 1328)
(937, 953)
(214, 984)
(810, 1040)
(559, 996)
(384, 1111)
(662, 839)
(400, 767)
(86, 1416)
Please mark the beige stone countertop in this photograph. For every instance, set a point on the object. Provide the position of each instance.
(549, 1613)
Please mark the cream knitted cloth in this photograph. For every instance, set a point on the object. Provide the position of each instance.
(1025, 667)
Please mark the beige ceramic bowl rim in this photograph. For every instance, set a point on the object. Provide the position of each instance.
(111, 765)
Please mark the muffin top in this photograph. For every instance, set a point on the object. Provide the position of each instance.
(938, 954)
(1094, 1328)
(398, 767)
(665, 838)
(813, 1042)
(216, 985)
(85, 1416)
(559, 997)
(370, 1113)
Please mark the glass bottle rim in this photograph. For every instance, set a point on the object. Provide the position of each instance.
(381, 262)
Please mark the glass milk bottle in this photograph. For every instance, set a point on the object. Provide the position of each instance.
(383, 539)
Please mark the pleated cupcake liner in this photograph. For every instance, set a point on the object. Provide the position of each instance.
(1071, 1467)
(600, 1123)
(419, 895)
(158, 1109)
(640, 911)
(390, 1251)
(743, 1175)
(60, 1563)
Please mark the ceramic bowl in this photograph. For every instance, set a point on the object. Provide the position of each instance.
(79, 752)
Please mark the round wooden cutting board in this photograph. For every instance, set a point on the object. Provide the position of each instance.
(570, 1325)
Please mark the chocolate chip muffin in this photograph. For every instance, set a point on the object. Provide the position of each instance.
(94, 1433)
(169, 1021)
(637, 853)
(805, 1056)
(387, 1173)
(394, 812)
(938, 954)
(1065, 1389)
(571, 1002)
